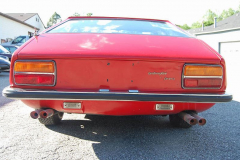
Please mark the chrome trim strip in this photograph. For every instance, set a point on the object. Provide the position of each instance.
(199, 65)
(202, 76)
(103, 90)
(133, 91)
(33, 73)
(55, 72)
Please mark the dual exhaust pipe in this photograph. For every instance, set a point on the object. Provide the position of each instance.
(40, 113)
(192, 118)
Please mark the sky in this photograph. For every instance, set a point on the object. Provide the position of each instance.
(177, 11)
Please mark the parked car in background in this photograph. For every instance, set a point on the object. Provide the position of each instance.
(11, 49)
(17, 41)
(5, 53)
(4, 57)
(4, 64)
(118, 66)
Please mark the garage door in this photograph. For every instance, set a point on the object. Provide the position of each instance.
(231, 53)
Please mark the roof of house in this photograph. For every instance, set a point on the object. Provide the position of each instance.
(21, 16)
(17, 20)
(230, 23)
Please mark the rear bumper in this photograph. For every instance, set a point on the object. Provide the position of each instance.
(16, 93)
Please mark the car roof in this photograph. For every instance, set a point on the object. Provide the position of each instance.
(124, 18)
(98, 17)
(9, 46)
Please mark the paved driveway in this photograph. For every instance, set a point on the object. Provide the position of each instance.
(102, 137)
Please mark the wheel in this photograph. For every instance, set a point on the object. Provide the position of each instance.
(53, 120)
(176, 121)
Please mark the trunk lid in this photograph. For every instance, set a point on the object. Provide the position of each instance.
(117, 46)
(118, 62)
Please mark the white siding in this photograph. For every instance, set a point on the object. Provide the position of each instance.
(214, 39)
(36, 23)
(12, 29)
(231, 53)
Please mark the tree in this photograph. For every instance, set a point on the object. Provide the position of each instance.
(231, 12)
(238, 9)
(226, 14)
(223, 15)
(76, 14)
(209, 17)
(185, 27)
(89, 14)
(196, 25)
(54, 19)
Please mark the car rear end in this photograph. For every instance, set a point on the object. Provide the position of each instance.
(97, 66)
(5, 54)
(4, 64)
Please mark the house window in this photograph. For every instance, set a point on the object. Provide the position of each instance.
(30, 34)
(36, 19)
(3, 40)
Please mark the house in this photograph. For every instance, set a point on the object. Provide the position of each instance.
(224, 37)
(16, 24)
(29, 18)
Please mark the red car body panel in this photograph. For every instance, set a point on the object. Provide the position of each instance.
(118, 62)
(121, 46)
(117, 108)
(137, 54)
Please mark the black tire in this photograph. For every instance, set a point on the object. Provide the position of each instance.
(53, 120)
(176, 121)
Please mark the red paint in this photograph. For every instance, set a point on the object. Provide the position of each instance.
(117, 108)
(118, 62)
(121, 47)
(119, 75)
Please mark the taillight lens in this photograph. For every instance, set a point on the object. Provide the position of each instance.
(34, 79)
(190, 70)
(202, 76)
(42, 67)
(40, 73)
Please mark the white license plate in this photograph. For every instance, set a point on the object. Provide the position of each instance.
(164, 107)
(71, 105)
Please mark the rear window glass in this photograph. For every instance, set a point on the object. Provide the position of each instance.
(120, 27)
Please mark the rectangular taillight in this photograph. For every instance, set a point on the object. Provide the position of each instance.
(202, 76)
(38, 73)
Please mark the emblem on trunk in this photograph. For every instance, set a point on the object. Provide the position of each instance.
(169, 79)
(157, 73)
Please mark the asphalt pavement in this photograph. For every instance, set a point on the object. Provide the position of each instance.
(105, 137)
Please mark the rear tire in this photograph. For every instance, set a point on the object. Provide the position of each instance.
(53, 120)
(176, 121)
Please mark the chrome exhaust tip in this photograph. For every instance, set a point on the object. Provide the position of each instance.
(35, 114)
(188, 118)
(46, 113)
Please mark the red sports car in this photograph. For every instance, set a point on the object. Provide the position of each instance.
(117, 66)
